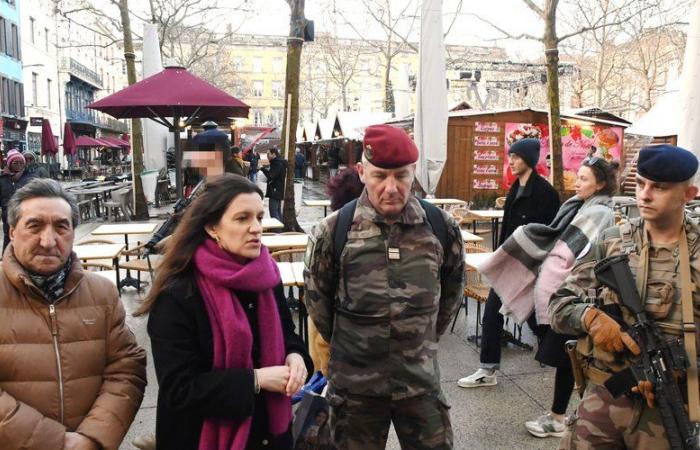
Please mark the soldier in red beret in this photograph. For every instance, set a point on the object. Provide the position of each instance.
(384, 275)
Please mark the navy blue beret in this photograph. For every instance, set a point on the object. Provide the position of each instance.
(666, 163)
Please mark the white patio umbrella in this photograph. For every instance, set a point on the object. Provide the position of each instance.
(430, 127)
(402, 93)
(155, 136)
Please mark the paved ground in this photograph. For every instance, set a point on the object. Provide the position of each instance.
(483, 418)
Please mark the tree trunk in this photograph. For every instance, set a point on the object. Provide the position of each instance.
(294, 45)
(387, 84)
(552, 59)
(141, 208)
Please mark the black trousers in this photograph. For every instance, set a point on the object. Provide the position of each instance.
(492, 332)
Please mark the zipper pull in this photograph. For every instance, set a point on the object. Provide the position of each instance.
(52, 316)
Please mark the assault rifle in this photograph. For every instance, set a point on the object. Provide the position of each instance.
(169, 225)
(660, 358)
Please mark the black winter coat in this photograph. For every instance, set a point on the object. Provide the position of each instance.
(189, 390)
(538, 204)
(276, 174)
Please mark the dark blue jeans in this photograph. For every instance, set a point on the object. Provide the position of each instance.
(276, 209)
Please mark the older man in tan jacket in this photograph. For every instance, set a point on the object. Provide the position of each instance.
(71, 373)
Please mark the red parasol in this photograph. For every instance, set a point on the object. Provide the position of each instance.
(173, 93)
(48, 142)
(69, 147)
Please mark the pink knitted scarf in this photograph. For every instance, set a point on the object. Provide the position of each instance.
(218, 274)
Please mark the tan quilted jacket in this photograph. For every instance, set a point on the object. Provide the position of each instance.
(71, 366)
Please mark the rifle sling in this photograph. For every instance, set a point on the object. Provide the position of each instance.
(689, 330)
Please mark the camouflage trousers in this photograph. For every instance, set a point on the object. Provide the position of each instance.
(604, 422)
(362, 423)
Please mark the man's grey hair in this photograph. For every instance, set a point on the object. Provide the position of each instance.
(41, 188)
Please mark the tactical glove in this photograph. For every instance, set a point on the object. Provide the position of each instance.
(606, 333)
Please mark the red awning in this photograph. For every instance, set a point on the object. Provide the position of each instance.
(172, 92)
(87, 141)
(116, 141)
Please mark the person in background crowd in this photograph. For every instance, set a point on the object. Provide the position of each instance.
(253, 159)
(224, 347)
(541, 271)
(344, 187)
(276, 175)
(531, 199)
(385, 302)
(333, 160)
(71, 374)
(12, 178)
(237, 166)
(661, 244)
(299, 164)
(33, 167)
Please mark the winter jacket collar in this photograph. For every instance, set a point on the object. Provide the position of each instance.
(20, 279)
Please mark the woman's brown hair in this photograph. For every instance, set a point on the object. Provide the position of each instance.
(206, 209)
(604, 172)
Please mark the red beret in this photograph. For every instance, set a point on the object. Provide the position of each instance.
(389, 147)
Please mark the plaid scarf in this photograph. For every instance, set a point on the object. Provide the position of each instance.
(53, 286)
(541, 256)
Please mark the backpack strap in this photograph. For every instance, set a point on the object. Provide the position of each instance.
(342, 226)
(436, 222)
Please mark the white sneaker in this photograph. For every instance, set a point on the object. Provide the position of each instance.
(545, 426)
(482, 377)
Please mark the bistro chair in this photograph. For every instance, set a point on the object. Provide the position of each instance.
(121, 201)
(139, 260)
(475, 288)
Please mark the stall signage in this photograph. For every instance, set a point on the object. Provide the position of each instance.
(36, 121)
(485, 169)
(486, 155)
(486, 127)
(486, 184)
(486, 141)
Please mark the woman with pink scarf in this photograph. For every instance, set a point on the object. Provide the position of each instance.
(224, 347)
(13, 177)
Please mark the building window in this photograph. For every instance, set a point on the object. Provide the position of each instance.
(35, 90)
(277, 89)
(258, 88)
(3, 36)
(238, 90)
(238, 63)
(46, 39)
(32, 28)
(257, 64)
(257, 117)
(49, 90)
(277, 65)
(15, 42)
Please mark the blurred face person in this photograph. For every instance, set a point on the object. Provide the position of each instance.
(239, 229)
(661, 203)
(43, 237)
(28, 158)
(586, 184)
(209, 163)
(388, 189)
(17, 165)
(517, 165)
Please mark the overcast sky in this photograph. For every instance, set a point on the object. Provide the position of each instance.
(273, 18)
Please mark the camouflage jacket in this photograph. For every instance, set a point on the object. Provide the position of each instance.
(582, 290)
(383, 316)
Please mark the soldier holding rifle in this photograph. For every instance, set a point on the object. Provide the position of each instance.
(618, 407)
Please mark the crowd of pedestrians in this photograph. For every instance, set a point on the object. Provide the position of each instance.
(384, 275)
